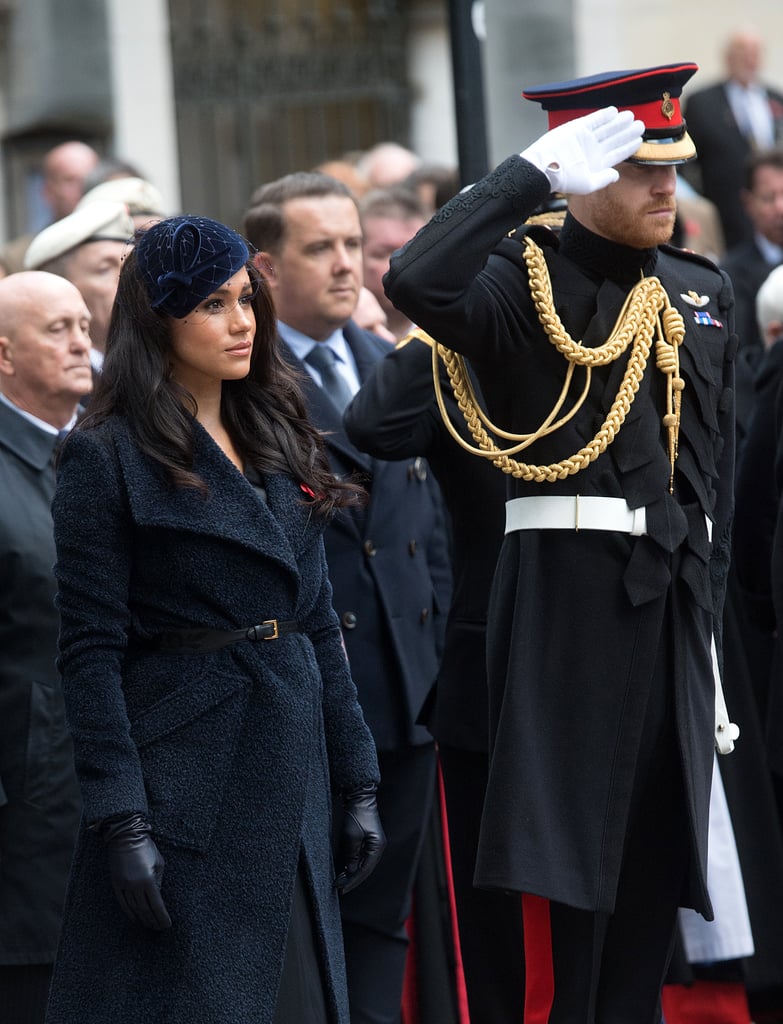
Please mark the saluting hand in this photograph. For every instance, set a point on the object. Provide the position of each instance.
(580, 156)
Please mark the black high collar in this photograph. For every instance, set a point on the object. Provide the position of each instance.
(602, 259)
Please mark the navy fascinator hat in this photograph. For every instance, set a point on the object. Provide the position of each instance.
(183, 260)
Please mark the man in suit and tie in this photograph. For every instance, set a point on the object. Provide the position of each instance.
(727, 122)
(748, 265)
(388, 563)
(44, 370)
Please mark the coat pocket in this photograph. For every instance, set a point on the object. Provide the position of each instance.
(48, 754)
(186, 745)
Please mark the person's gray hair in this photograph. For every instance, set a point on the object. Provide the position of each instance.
(769, 301)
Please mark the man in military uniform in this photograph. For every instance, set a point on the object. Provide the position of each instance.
(605, 356)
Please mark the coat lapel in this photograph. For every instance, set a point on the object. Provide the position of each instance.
(230, 510)
(28, 442)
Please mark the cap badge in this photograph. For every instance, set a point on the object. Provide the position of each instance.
(667, 107)
(694, 299)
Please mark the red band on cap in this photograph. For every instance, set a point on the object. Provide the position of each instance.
(651, 114)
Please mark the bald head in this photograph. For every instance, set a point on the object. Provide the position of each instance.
(44, 345)
(744, 53)
(387, 163)
(64, 169)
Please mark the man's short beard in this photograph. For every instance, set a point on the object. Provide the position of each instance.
(634, 229)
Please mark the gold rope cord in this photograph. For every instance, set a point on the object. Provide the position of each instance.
(646, 312)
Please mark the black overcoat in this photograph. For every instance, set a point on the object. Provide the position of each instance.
(576, 618)
(389, 566)
(748, 270)
(393, 416)
(232, 755)
(39, 795)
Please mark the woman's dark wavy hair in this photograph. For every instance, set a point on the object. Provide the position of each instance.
(264, 412)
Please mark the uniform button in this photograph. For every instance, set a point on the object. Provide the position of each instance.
(420, 468)
(349, 620)
(425, 614)
(369, 548)
(412, 547)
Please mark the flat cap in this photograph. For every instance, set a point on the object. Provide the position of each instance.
(95, 222)
(653, 94)
(138, 194)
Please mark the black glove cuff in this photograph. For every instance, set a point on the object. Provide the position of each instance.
(108, 829)
(366, 789)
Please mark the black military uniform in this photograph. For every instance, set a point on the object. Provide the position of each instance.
(600, 632)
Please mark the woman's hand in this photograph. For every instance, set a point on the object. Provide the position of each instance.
(362, 839)
(136, 867)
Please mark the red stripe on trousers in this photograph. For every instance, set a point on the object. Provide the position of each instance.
(462, 995)
(539, 969)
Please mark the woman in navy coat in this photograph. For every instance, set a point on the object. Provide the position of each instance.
(207, 690)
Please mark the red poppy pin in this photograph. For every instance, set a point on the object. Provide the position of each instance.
(311, 492)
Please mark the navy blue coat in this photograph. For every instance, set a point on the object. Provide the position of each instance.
(232, 755)
(389, 566)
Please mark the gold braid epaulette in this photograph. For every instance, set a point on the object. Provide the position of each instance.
(645, 313)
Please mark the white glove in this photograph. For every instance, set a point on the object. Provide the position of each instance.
(580, 156)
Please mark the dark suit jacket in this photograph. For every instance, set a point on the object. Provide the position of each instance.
(389, 568)
(719, 169)
(39, 797)
(395, 415)
(748, 270)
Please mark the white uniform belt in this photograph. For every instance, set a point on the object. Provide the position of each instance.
(574, 512)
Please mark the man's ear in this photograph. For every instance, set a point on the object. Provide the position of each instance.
(6, 357)
(264, 264)
(772, 333)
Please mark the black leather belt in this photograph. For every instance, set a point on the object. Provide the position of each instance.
(202, 641)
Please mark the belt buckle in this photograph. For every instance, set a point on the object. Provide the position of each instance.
(254, 634)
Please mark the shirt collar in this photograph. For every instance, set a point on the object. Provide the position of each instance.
(301, 344)
(773, 254)
(42, 424)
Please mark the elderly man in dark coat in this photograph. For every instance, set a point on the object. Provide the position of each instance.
(44, 369)
(601, 629)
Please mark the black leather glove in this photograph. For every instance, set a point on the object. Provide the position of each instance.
(362, 839)
(136, 867)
